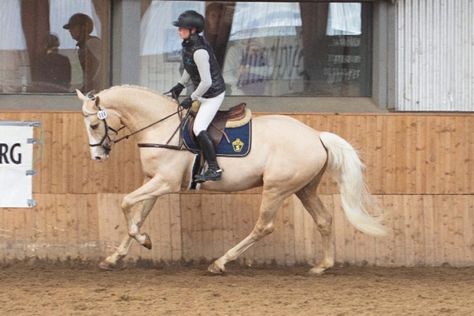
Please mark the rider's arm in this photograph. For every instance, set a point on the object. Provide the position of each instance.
(201, 58)
(184, 78)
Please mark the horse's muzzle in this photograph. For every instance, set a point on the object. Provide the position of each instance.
(107, 148)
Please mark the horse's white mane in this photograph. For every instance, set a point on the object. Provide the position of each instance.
(138, 88)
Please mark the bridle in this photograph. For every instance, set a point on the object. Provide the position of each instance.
(102, 116)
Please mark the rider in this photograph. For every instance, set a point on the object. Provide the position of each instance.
(201, 66)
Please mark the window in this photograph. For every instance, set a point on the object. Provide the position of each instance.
(53, 46)
(264, 49)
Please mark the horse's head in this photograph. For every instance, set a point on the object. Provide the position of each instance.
(102, 126)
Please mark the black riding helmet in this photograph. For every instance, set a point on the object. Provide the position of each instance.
(190, 19)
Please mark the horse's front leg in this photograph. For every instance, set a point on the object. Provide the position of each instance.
(148, 193)
(134, 223)
(123, 248)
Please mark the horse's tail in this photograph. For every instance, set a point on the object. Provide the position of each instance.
(346, 168)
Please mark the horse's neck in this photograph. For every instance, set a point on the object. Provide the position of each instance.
(139, 108)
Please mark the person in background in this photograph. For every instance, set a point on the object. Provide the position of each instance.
(80, 27)
(213, 31)
(202, 68)
(54, 69)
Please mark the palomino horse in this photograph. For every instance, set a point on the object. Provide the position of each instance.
(287, 157)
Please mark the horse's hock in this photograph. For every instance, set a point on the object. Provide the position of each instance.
(419, 168)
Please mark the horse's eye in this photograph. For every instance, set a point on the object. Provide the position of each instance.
(94, 126)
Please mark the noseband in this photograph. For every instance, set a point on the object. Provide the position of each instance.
(102, 116)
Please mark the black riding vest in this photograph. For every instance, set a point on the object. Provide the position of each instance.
(194, 43)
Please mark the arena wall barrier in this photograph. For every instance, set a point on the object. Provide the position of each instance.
(419, 167)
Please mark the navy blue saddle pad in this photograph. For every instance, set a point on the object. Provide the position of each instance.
(237, 143)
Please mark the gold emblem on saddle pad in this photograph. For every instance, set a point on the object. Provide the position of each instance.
(238, 145)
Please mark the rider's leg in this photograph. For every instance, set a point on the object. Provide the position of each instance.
(213, 172)
(204, 117)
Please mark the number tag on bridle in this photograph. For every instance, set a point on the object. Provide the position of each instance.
(101, 115)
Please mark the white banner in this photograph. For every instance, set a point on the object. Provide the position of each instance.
(16, 164)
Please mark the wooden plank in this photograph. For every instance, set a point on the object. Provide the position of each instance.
(382, 255)
(349, 239)
(421, 157)
(455, 225)
(339, 229)
(186, 226)
(190, 204)
(385, 245)
(298, 237)
(58, 162)
(210, 207)
(429, 229)
(414, 241)
(88, 227)
(227, 223)
(408, 168)
(39, 239)
(289, 235)
(165, 227)
(175, 229)
(468, 235)
(309, 247)
(328, 202)
(43, 155)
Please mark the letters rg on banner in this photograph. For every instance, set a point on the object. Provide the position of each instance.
(16, 164)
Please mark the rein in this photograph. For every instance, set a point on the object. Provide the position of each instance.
(146, 145)
(150, 125)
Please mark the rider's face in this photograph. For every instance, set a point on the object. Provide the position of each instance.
(185, 33)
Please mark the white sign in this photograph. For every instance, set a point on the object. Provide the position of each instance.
(16, 164)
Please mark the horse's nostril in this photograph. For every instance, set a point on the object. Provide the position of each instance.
(97, 158)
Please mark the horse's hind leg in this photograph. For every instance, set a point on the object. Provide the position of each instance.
(323, 219)
(271, 202)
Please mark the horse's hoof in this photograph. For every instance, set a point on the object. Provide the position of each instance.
(214, 268)
(319, 270)
(147, 242)
(106, 266)
(316, 271)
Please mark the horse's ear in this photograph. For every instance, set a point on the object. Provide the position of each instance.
(80, 95)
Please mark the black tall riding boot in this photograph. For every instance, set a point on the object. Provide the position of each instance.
(213, 172)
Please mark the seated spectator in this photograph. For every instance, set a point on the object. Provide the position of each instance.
(54, 69)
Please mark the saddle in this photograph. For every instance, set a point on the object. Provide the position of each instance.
(236, 116)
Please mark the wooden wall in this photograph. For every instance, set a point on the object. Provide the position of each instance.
(419, 166)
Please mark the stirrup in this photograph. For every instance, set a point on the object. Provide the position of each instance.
(209, 175)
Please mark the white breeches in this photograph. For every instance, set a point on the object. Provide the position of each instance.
(206, 113)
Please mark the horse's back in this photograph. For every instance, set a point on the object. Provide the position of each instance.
(285, 128)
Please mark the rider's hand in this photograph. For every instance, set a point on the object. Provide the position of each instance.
(187, 103)
(176, 90)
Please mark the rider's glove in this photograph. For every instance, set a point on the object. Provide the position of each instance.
(187, 103)
(176, 90)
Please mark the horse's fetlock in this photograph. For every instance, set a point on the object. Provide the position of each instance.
(325, 229)
(125, 204)
(269, 229)
(264, 230)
